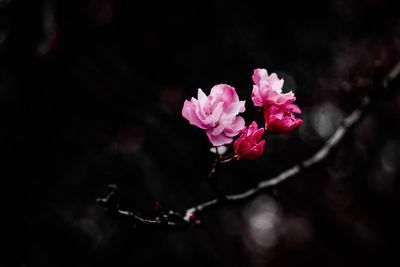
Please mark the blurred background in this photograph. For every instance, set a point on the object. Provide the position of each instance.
(91, 93)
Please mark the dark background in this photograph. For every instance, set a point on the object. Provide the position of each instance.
(91, 93)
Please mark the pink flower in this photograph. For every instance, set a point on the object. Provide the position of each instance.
(216, 113)
(281, 119)
(267, 90)
(247, 146)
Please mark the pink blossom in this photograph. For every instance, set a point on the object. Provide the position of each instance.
(247, 146)
(217, 113)
(281, 119)
(267, 90)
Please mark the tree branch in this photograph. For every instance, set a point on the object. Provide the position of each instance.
(191, 216)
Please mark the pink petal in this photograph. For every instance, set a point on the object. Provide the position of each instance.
(188, 112)
(275, 83)
(242, 105)
(252, 127)
(220, 128)
(235, 108)
(285, 99)
(185, 109)
(218, 140)
(294, 108)
(258, 134)
(224, 93)
(260, 147)
(259, 74)
(216, 114)
(235, 128)
(202, 97)
(299, 122)
(256, 97)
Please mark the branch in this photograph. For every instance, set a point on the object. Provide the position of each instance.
(171, 220)
(213, 179)
(191, 216)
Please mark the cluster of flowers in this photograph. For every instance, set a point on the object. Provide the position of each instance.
(218, 112)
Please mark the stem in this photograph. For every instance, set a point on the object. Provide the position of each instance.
(213, 179)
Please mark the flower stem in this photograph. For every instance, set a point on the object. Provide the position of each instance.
(213, 179)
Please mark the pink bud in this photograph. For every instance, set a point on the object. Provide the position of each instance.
(281, 119)
(247, 146)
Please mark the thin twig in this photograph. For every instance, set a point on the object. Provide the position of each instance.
(180, 221)
(213, 178)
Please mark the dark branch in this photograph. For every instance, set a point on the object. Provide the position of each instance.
(172, 220)
(213, 178)
(180, 221)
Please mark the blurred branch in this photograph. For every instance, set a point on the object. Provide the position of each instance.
(179, 221)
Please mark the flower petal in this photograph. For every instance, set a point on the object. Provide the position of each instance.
(258, 75)
(189, 113)
(235, 128)
(218, 140)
